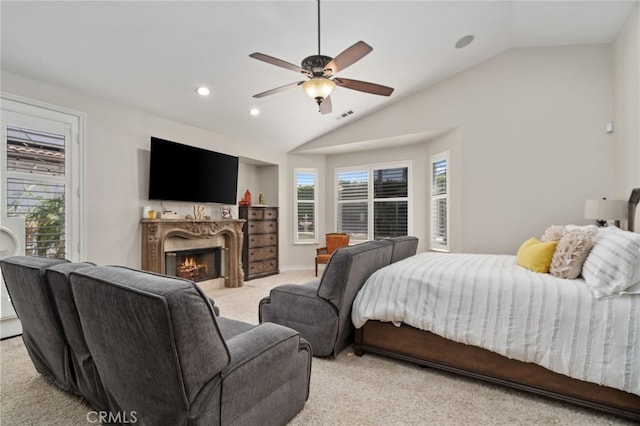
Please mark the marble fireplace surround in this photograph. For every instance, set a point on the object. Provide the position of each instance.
(164, 235)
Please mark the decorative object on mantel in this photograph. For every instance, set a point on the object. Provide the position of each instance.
(198, 212)
(168, 214)
(145, 212)
(604, 210)
(151, 214)
(261, 199)
(225, 212)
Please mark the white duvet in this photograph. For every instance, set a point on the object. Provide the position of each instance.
(491, 302)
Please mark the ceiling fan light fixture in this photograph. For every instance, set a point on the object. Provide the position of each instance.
(318, 88)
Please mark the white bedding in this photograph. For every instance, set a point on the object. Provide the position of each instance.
(491, 302)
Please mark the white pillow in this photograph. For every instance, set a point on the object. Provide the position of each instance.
(610, 266)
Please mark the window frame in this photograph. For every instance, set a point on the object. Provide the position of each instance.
(370, 169)
(433, 198)
(74, 122)
(296, 232)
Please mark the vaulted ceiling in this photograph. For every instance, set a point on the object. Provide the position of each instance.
(152, 55)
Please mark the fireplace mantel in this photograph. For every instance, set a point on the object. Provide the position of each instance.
(155, 232)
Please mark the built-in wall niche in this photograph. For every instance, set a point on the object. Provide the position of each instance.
(258, 177)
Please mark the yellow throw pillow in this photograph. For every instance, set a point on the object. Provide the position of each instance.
(536, 255)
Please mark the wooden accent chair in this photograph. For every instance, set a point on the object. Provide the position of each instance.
(333, 241)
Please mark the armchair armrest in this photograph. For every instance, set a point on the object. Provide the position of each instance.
(270, 366)
(261, 339)
(300, 307)
(322, 250)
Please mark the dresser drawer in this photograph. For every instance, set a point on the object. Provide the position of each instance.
(263, 267)
(255, 214)
(268, 226)
(263, 253)
(261, 240)
(270, 214)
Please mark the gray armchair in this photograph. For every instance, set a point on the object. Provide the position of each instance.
(163, 353)
(403, 247)
(41, 329)
(321, 310)
(86, 376)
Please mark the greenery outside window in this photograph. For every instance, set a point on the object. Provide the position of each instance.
(305, 205)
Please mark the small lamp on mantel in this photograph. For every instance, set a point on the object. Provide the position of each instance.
(604, 210)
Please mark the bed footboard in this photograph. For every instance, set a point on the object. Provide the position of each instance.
(410, 344)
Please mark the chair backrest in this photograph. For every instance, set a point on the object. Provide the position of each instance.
(346, 272)
(154, 339)
(87, 378)
(336, 240)
(42, 332)
(403, 247)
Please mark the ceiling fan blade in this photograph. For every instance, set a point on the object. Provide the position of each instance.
(325, 106)
(277, 62)
(278, 89)
(347, 57)
(363, 86)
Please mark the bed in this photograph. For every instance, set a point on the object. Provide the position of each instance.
(487, 317)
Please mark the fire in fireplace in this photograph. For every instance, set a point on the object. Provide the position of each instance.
(194, 264)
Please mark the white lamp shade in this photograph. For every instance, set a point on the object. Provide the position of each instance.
(318, 87)
(605, 209)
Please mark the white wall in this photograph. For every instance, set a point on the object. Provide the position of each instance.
(626, 108)
(116, 151)
(533, 144)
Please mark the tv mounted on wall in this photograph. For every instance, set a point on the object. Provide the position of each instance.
(180, 172)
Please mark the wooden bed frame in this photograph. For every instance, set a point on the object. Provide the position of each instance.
(422, 347)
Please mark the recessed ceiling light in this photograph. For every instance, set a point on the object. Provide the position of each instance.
(203, 91)
(464, 41)
(254, 111)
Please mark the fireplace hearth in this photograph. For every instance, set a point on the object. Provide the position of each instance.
(196, 264)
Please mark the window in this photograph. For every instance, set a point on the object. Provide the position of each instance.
(39, 177)
(440, 202)
(373, 201)
(304, 205)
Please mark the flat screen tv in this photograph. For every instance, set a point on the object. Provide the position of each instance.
(180, 172)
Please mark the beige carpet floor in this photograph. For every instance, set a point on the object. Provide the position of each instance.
(350, 390)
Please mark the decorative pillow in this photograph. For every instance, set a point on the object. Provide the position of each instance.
(573, 248)
(554, 233)
(536, 255)
(610, 267)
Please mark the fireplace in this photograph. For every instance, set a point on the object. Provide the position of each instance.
(196, 264)
(163, 236)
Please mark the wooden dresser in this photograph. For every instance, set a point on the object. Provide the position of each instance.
(260, 247)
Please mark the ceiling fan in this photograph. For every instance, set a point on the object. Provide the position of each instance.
(320, 71)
